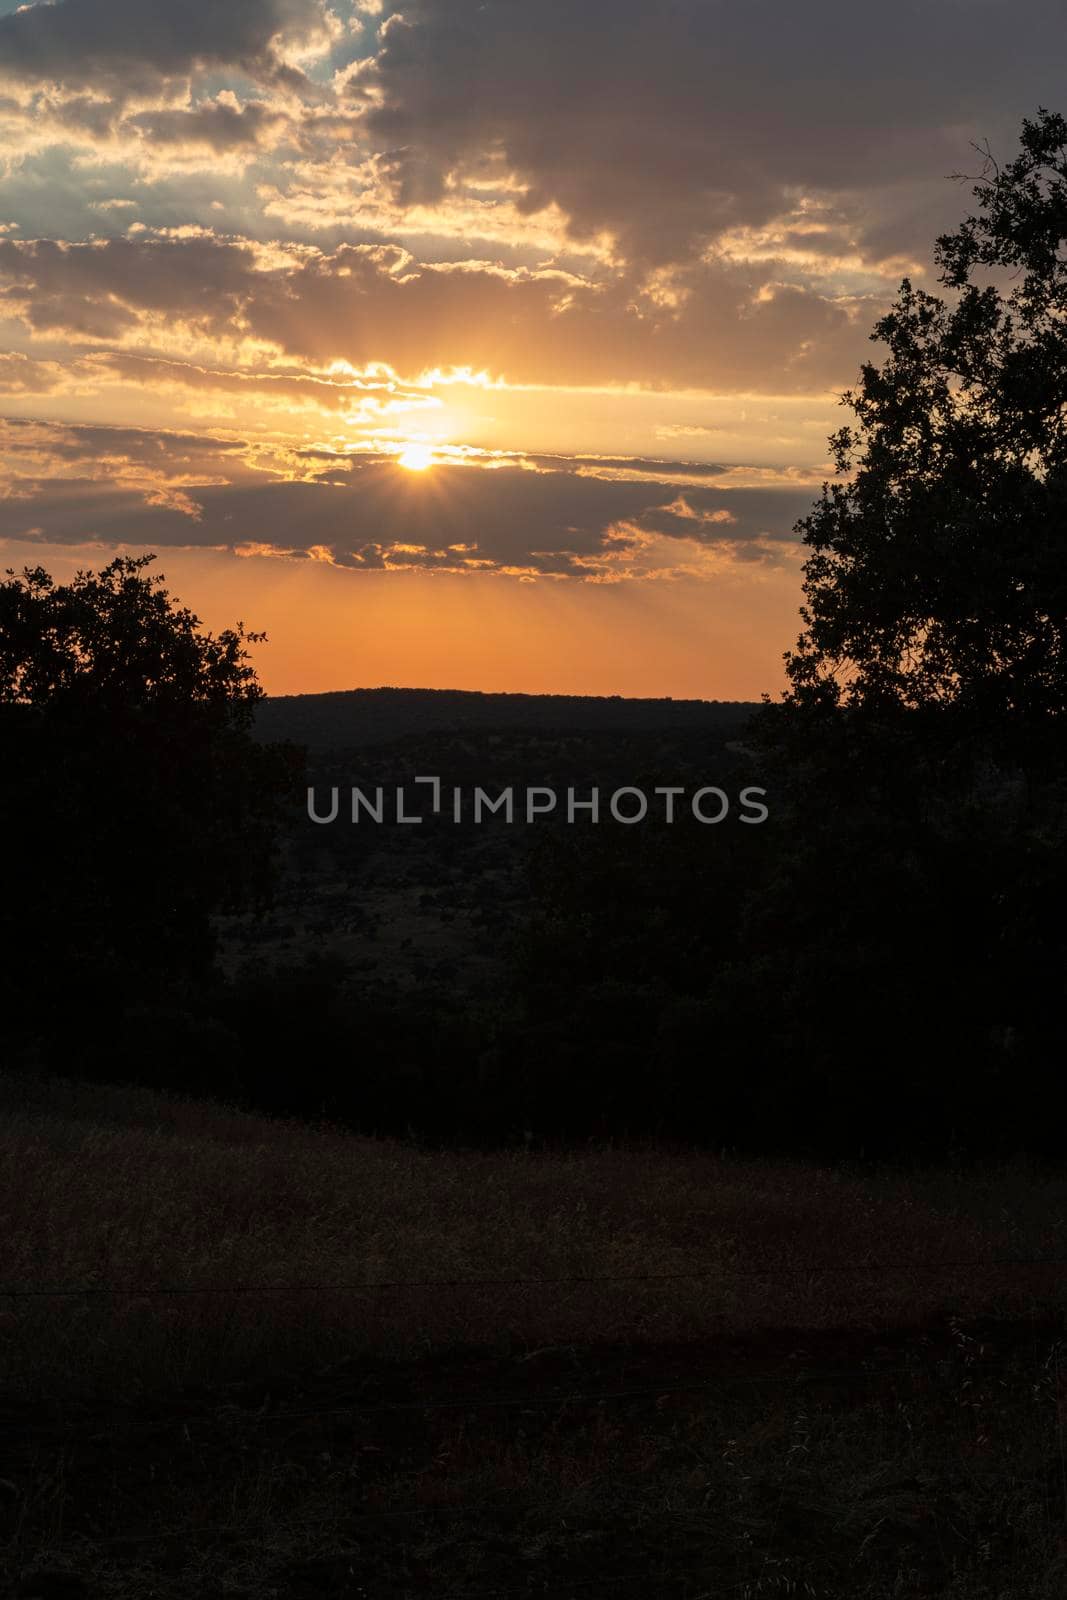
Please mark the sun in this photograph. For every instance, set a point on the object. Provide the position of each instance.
(416, 457)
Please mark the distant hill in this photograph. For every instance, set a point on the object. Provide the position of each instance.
(352, 717)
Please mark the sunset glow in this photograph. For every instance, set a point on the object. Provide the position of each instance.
(416, 457)
(247, 272)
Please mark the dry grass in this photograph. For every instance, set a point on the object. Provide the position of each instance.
(251, 1446)
(938, 1482)
(129, 1188)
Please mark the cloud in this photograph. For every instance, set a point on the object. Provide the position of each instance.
(123, 48)
(666, 125)
(628, 466)
(285, 388)
(221, 126)
(729, 329)
(30, 448)
(274, 212)
(673, 130)
(691, 194)
(99, 290)
(664, 128)
(21, 374)
(150, 488)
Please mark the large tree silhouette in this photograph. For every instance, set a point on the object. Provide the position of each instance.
(938, 576)
(880, 968)
(136, 802)
(911, 934)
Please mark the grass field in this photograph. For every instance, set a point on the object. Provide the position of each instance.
(832, 1397)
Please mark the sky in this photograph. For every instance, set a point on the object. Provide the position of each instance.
(483, 344)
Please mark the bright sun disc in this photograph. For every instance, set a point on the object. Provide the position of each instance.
(416, 457)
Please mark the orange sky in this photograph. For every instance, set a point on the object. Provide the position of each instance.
(257, 262)
(329, 630)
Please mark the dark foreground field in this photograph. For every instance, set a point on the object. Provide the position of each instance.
(784, 1380)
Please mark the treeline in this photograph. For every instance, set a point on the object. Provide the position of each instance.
(875, 970)
(349, 718)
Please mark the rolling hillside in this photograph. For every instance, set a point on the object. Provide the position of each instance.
(353, 717)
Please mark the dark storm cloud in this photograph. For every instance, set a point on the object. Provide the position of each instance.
(132, 46)
(665, 123)
(139, 487)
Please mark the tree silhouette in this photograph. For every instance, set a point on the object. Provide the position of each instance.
(136, 802)
(911, 935)
(938, 576)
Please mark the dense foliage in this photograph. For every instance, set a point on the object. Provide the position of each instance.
(938, 577)
(135, 801)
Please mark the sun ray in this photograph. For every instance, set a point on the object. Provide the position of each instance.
(416, 457)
